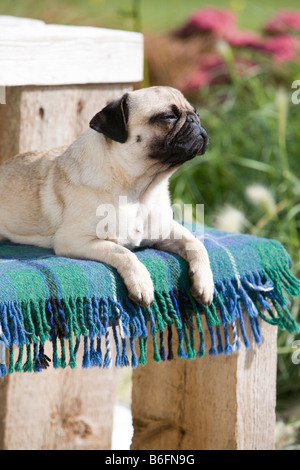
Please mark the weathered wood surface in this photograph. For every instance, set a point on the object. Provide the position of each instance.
(63, 409)
(35, 53)
(39, 117)
(213, 403)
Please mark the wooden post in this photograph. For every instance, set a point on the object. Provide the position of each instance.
(56, 78)
(44, 117)
(64, 409)
(212, 403)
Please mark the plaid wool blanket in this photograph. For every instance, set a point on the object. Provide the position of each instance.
(44, 297)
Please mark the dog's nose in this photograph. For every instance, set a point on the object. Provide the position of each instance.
(204, 134)
(191, 117)
(205, 140)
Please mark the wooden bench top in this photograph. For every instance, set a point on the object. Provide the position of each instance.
(35, 53)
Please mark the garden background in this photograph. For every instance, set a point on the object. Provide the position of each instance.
(237, 61)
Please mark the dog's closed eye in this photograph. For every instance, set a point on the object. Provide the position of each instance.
(163, 118)
(167, 117)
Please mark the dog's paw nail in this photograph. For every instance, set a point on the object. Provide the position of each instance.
(202, 288)
(140, 288)
(204, 297)
(206, 300)
(142, 299)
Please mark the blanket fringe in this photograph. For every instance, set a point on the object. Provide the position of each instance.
(259, 296)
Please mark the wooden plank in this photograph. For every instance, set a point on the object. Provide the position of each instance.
(35, 118)
(213, 403)
(59, 54)
(63, 409)
(10, 124)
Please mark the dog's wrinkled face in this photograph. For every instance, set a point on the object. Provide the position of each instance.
(157, 121)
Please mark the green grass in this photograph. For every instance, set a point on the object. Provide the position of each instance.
(156, 15)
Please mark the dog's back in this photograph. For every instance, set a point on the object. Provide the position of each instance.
(23, 182)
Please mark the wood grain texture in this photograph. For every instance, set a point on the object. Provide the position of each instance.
(60, 55)
(36, 118)
(64, 409)
(213, 403)
(10, 115)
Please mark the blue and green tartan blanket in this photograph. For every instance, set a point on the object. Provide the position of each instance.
(44, 297)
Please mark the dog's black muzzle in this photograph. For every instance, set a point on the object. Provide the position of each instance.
(184, 144)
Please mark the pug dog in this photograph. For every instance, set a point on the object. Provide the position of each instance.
(73, 199)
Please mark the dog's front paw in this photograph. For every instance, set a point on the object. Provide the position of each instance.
(140, 286)
(202, 284)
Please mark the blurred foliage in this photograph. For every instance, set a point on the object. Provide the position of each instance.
(248, 145)
(154, 14)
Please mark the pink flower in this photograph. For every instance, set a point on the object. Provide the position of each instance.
(285, 21)
(197, 80)
(283, 48)
(211, 66)
(213, 70)
(213, 20)
(238, 38)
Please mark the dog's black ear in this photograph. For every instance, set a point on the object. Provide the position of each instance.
(112, 120)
